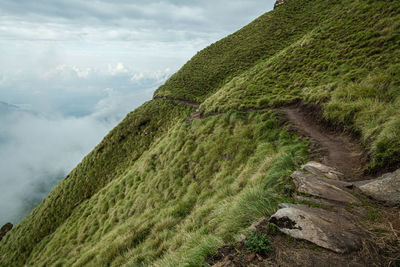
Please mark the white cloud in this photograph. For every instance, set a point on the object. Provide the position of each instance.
(38, 150)
(80, 66)
(119, 68)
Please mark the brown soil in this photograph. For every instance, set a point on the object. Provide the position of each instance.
(336, 149)
(381, 249)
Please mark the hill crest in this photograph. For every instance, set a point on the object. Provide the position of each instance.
(188, 172)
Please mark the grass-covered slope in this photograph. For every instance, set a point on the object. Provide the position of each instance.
(264, 37)
(110, 159)
(159, 190)
(192, 190)
(349, 64)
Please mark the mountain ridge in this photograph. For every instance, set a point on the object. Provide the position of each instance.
(171, 184)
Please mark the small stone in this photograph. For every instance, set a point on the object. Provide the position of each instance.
(323, 228)
(385, 188)
(251, 257)
(242, 237)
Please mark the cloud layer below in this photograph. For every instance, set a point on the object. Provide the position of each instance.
(73, 69)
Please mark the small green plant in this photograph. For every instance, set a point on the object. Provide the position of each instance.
(258, 242)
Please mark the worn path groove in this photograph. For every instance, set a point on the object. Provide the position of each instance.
(337, 150)
(342, 158)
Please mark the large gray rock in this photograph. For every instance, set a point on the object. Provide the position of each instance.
(351, 212)
(323, 228)
(385, 188)
(321, 187)
(323, 170)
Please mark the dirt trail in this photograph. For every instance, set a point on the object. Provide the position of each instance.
(192, 104)
(337, 149)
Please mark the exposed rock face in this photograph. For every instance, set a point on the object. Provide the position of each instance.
(278, 3)
(322, 187)
(385, 188)
(5, 229)
(323, 170)
(334, 229)
(323, 228)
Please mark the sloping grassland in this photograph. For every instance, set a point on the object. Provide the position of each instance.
(160, 190)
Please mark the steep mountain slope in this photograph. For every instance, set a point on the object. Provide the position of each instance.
(164, 190)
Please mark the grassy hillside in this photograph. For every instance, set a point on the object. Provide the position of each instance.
(160, 190)
(349, 64)
(193, 189)
(261, 39)
(110, 159)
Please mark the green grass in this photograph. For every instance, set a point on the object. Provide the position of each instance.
(195, 188)
(349, 64)
(212, 67)
(110, 159)
(161, 191)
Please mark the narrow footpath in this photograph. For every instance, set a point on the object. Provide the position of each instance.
(354, 218)
(338, 150)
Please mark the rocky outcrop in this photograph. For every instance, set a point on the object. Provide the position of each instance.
(321, 227)
(385, 188)
(322, 170)
(329, 224)
(278, 3)
(308, 183)
(5, 229)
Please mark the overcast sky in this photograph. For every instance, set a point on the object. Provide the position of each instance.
(73, 69)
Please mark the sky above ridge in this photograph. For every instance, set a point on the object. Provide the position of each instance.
(70, 70)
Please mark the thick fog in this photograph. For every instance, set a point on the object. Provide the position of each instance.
(37, 149)
(71, 70)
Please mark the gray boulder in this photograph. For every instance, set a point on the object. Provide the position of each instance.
(323, 228)
(322, 170)
(321, 187)
(385, 188)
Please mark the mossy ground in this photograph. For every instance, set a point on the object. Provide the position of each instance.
(161, 191)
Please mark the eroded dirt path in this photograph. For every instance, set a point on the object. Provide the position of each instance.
(192, 104)
(337, 149)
